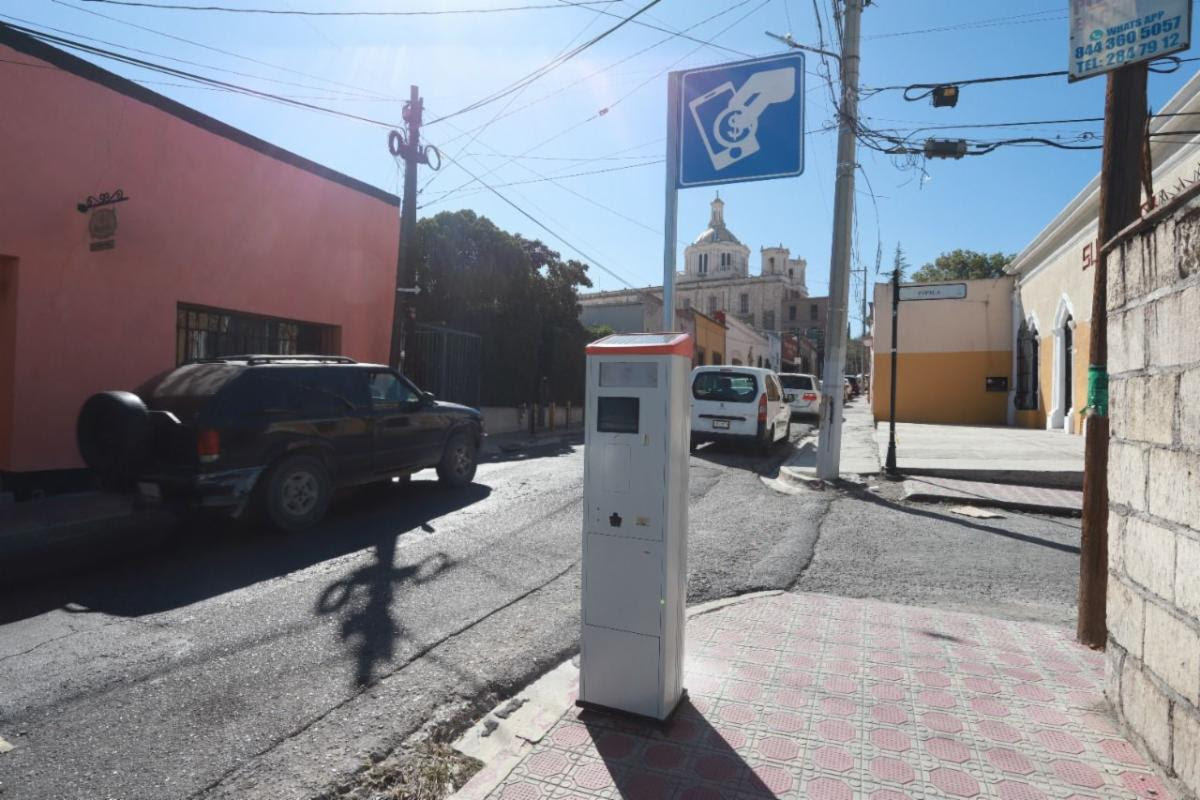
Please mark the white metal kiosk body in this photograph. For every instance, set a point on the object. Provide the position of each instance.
(635, 523)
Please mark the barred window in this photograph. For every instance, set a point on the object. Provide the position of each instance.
(1027, 368)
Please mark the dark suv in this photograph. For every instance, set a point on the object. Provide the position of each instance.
(284, 431)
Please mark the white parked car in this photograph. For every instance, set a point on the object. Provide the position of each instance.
(801, 393)
(742, 404)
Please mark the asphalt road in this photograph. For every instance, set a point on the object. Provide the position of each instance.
(239, 664)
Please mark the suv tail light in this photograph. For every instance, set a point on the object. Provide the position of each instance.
(762, 408)
(208, 446)
(810, 396)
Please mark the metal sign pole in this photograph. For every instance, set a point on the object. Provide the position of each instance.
(671, 212)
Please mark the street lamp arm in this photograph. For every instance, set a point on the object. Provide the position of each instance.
(787, 39)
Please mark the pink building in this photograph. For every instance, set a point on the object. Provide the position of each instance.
(220, 243)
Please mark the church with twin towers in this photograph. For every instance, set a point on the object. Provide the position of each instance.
(716, 278)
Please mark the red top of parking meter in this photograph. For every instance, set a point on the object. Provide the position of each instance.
(642, 344)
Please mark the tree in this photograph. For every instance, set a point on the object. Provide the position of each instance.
(599, 331)
(516, 293)
(963, 265)
(900, 261)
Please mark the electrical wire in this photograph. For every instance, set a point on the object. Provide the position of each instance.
(305, 13)
(541, 224)
(171, 58)
(512, 99)
(608, 68)
(545, 68)
(993, 22)
(221, 51)
(604, 111)
(1174, 62)
(191, 76)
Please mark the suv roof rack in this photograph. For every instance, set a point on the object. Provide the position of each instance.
(252, 360)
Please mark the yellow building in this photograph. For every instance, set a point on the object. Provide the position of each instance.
(1052, 296)
(707, 333)
(955, 356)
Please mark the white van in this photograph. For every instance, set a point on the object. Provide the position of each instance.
(801, 392)
(743, 404)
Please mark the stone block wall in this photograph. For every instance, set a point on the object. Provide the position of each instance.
(1153, 675)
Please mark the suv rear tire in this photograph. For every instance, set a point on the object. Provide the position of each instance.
(296, 493)
(459, 461)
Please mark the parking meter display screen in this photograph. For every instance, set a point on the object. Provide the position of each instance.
(617, 414)
(635, 375)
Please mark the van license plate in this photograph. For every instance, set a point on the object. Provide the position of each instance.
(721, 423)
(149, 491)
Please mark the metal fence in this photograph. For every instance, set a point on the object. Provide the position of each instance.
(446, 362)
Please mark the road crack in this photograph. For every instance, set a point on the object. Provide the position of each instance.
(418, 655)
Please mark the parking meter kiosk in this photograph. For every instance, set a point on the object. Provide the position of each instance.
(635, 523)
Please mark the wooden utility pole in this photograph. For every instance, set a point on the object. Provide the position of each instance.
(408, 147)
(1120, 184)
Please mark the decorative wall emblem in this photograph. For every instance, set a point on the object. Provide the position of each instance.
(102, 224)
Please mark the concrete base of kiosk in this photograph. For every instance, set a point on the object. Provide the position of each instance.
(620, 712)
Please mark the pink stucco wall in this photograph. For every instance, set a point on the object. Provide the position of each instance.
(209, 221)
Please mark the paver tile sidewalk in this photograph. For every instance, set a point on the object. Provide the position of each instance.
(813, 696)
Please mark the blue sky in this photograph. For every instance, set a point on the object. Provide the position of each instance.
(994, 202)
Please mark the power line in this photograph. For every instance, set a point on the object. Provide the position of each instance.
(545, 68)
(994, 22)
(541, 224)
(1174, 61)
(479, 130)
(603, 70)
(555, 178)
(231, 53)
(304, 13)
(171, 58)
(602, 112)
(191, 76)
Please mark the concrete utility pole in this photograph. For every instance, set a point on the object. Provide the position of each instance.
(829, 448)
(1120, 182)
(407, 147)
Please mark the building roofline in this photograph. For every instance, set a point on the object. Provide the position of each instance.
(1085, 206)
(85, 69)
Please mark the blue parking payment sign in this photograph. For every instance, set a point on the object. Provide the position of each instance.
(742, 121)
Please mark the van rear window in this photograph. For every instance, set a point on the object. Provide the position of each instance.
(796, 381)
(725, 387)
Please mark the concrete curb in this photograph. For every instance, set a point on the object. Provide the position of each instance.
(1006, 505)
(508, 443)
(1061, 479)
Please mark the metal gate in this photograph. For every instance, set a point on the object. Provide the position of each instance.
(446, 362)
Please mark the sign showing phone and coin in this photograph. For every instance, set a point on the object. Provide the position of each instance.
(742, 121)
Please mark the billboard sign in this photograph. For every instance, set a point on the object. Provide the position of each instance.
(742, 121)
(1108, 34)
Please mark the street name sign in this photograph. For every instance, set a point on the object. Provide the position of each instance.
(1109, 34)
(934, 291)
(742, 121)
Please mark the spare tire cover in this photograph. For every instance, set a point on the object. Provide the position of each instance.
(113, 432)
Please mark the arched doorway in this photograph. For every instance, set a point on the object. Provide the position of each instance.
(1062, 410)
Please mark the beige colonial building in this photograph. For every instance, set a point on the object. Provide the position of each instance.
(1052, 298)
(716, 277)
